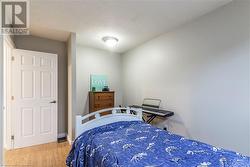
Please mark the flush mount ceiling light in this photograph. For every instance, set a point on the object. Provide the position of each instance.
(110, 41)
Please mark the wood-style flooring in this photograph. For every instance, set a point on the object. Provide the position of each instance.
(46, 155)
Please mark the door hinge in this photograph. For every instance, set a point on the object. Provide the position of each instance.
(12, 58)
(12, 137)
(12, 98)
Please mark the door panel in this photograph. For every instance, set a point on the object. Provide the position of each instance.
(27, 122)
(34, 87)
(45, 62)
(46, 84)
(27, 60)
(46, 120)
(27, 84)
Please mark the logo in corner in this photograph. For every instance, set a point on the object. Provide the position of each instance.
(15, 17)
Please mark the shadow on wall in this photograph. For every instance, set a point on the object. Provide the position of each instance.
(86, 106)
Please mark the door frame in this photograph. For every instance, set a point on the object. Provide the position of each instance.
(56, 93)
(1, 100)
(3, 39)
(8, 131)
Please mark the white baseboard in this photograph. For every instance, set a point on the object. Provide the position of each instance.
(61, 135)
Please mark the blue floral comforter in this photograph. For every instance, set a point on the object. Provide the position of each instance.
(136, 144)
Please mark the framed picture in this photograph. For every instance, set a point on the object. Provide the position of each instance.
(97, 82)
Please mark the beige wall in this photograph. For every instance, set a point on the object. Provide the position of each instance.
(51, 46)
(71, 45)
(96, 61)
(201, 72)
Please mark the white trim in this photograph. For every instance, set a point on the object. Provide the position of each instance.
(71, 45)
(9, 40)
(116, 115)
(1, 100)
(69, 140)
(8, 129)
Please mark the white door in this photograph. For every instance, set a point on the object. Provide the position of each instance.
(34, 85)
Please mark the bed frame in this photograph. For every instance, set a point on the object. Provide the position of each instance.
(95, 119)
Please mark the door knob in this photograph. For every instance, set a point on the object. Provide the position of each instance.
(53, 101)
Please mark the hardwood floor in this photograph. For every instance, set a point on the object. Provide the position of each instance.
(46, 155)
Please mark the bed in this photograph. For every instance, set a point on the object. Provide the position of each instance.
(121, 139)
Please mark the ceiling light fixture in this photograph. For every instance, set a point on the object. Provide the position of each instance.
(110, 41)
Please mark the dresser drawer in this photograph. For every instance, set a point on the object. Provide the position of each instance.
(104, 96)
(103, 104)
(101, 100)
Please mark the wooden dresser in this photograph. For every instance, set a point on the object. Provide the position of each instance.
(101, 100)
